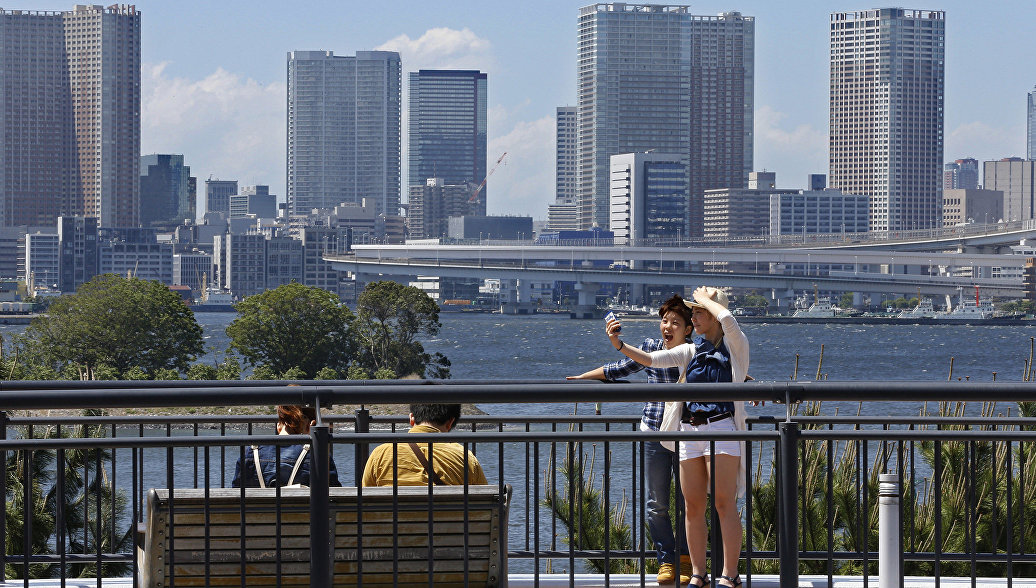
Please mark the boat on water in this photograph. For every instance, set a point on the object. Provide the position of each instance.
(924, 310)
(967, 310)
(214, 301)
(821, 307)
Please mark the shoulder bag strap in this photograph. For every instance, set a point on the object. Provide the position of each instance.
(258, 470)
(427, 466)
(298, 464)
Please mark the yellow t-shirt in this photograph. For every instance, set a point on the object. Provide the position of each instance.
(447, 459)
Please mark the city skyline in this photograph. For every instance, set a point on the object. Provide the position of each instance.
(224, 107)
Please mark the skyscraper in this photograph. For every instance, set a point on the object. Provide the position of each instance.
(217, 195)
(886, 113)
(1030, 136)
(563, 214)
(343, 130)
(657, 78)
(447, 128)
(960, 175)
(165, 194)
(648, 197)
(70, 83)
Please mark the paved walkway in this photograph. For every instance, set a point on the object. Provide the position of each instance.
(622, 581)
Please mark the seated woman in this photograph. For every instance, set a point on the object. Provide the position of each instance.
(261, 468)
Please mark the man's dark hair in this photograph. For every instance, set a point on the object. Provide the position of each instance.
(676, 304)
(435, 414)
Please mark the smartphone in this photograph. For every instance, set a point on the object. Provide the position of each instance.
(610, 317)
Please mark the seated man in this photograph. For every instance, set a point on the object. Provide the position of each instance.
(413, 462)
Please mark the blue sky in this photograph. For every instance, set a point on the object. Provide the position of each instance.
(213, 79)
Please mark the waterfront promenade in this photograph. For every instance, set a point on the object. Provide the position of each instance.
(523, 451)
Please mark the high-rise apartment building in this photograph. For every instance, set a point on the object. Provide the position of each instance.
(165, 190)
(657, 78)
(432, 205)
(886, 113)
(1030, 135)
(343, 130)
(960, 175)
(564, 213)
(447, 128)
(70, 83)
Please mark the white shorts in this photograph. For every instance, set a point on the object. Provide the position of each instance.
(699, 448)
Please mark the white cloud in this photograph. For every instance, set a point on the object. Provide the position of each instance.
(524, 183)
(792, 152)
(983, 142)
(224, 125)
(441, 48)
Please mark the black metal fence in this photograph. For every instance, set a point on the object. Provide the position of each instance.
(74, 490)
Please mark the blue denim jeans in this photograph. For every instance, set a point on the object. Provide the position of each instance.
(661, 464)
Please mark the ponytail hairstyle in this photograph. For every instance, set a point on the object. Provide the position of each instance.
(296, 419)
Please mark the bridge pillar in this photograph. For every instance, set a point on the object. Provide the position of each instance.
(857, 299)
(586, 301)
(515, 297)
(782, 299)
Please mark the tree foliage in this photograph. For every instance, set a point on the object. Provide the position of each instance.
(116, 322)
(389, 319)
(293, 326)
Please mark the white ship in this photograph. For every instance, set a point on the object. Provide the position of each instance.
(924, 309)
(821, 307)
(967, 309)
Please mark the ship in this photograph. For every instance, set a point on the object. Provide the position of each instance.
(821, 307)
(966, 310)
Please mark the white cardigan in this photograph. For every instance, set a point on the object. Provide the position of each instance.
(737, 345)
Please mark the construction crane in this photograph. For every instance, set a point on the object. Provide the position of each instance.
(478, 190)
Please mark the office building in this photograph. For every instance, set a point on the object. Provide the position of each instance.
(447, 128)
(960, 206)
(816, 181)
(818, 212)
(239, 264)
(1030, 127)
(193, 270)
(79, 242)
(165, 190)
(649, 193)
(283, 261)
(144, 260)
(253, 201)
(510, 228)
(217, 196)
(432, 204)
(1016, 178)
(42, 261)
(71, 120)
(343, 130)
(741, 212)
(657, 78)
(886, 113)
(316, 271)
(960, 175)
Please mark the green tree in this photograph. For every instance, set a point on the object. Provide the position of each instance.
(389, 319)
(753, 301)
(846, 301)
(326, 373)
(293, 326)
(114, 321)
(202, 371)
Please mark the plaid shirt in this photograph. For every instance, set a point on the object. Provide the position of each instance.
(626, 366)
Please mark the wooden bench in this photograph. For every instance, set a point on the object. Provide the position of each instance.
(468, 537)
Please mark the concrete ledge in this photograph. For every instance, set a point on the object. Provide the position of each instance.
(759, 581)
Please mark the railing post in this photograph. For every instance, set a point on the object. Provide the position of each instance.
(889, 553)
(320, 544)
(788, 531)
(363, 425)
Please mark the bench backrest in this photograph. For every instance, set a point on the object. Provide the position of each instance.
(461, 537)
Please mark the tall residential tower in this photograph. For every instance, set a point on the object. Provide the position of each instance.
(343, 130)
(657, 78)
(886, 113)
(447, 128)
(70, 83)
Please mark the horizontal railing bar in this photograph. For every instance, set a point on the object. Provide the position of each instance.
(905, 420)
(923, 435)
(33, 395)
(15, 559)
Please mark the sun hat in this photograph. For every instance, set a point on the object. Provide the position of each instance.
(716, 294)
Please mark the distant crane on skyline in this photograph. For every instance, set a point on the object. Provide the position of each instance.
(478, 190)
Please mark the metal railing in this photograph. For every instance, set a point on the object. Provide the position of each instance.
(968, 478)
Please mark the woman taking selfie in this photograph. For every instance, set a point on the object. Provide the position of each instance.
(718, 353)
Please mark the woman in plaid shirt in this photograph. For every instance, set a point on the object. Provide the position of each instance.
(660, 463)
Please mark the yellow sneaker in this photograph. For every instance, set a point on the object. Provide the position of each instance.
(685, 570)
(666, 574)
